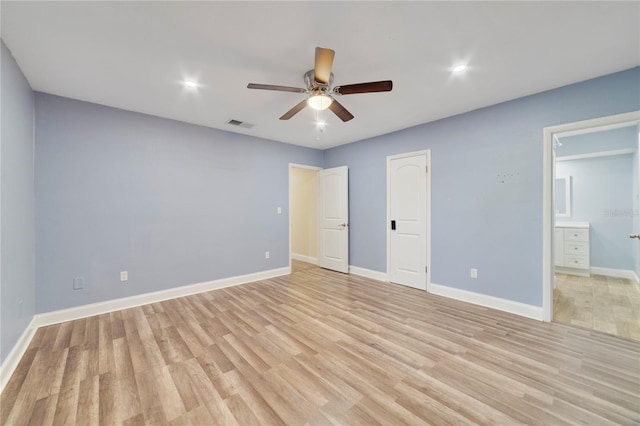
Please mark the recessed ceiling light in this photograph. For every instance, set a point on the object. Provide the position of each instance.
(459, 68)
(190, 84)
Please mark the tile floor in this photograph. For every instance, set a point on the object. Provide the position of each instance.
(610, 305)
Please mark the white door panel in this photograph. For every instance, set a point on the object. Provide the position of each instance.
(408, 210)
(410, 262)
(333, 220)
(332, 205)
(332, 239)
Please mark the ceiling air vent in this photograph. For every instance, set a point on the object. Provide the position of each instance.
(240, 123)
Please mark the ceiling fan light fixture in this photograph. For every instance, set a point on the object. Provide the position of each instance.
(320, 101)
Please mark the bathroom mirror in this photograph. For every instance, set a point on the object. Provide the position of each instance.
(562, 191)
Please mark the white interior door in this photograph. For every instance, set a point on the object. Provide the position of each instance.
(407, 208)
(333, 219)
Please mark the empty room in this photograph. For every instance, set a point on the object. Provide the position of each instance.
(319, 213)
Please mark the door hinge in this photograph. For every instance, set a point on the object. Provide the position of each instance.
(426, 269)
(426, 169)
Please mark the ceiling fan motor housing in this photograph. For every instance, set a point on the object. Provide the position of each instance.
(311, 83)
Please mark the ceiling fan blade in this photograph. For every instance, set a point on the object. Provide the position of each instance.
(278, 88)
(324, 63)
(374, 86)
(293, 111)
(340, 111)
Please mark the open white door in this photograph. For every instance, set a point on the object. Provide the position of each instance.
(407, 210)
(333, 219)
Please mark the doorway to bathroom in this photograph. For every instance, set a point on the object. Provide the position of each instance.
(596, 258)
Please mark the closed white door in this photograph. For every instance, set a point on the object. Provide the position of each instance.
(407, 225)
(333, 219)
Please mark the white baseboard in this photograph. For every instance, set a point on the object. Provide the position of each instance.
(573, 271)
(636, 278)
(518, 308)
(616, 273)
(304, 258)
(11, 362)
(368, 273)
(84, 311)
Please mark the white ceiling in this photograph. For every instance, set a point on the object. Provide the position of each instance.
(134, 55)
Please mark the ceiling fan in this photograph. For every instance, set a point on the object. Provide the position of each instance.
(319, 91)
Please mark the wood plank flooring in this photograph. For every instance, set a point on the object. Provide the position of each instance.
(319, 348)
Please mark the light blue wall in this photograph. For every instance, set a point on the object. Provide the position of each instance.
(486, 185)
(123, 191)
(602, 194)
(170, 202)
(16, 205)
(616, 139)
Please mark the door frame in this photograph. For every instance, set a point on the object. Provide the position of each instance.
(296, 166)
(548, 179)
(426, 152)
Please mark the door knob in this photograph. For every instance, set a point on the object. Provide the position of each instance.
(635, 236)
(343, 225)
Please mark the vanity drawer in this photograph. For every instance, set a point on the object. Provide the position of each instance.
(576, 248)
(576, 261)
(576, 235)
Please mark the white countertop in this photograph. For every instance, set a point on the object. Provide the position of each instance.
(572, 224)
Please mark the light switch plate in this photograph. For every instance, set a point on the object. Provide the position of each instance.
(124, 276)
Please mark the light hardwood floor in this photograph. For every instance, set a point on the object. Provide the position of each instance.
(318, 347)
(610, 305)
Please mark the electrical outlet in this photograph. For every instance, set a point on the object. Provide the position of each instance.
(78, 283)
(279, 210)
(267, 255)
(474, 273)
(124, 276)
